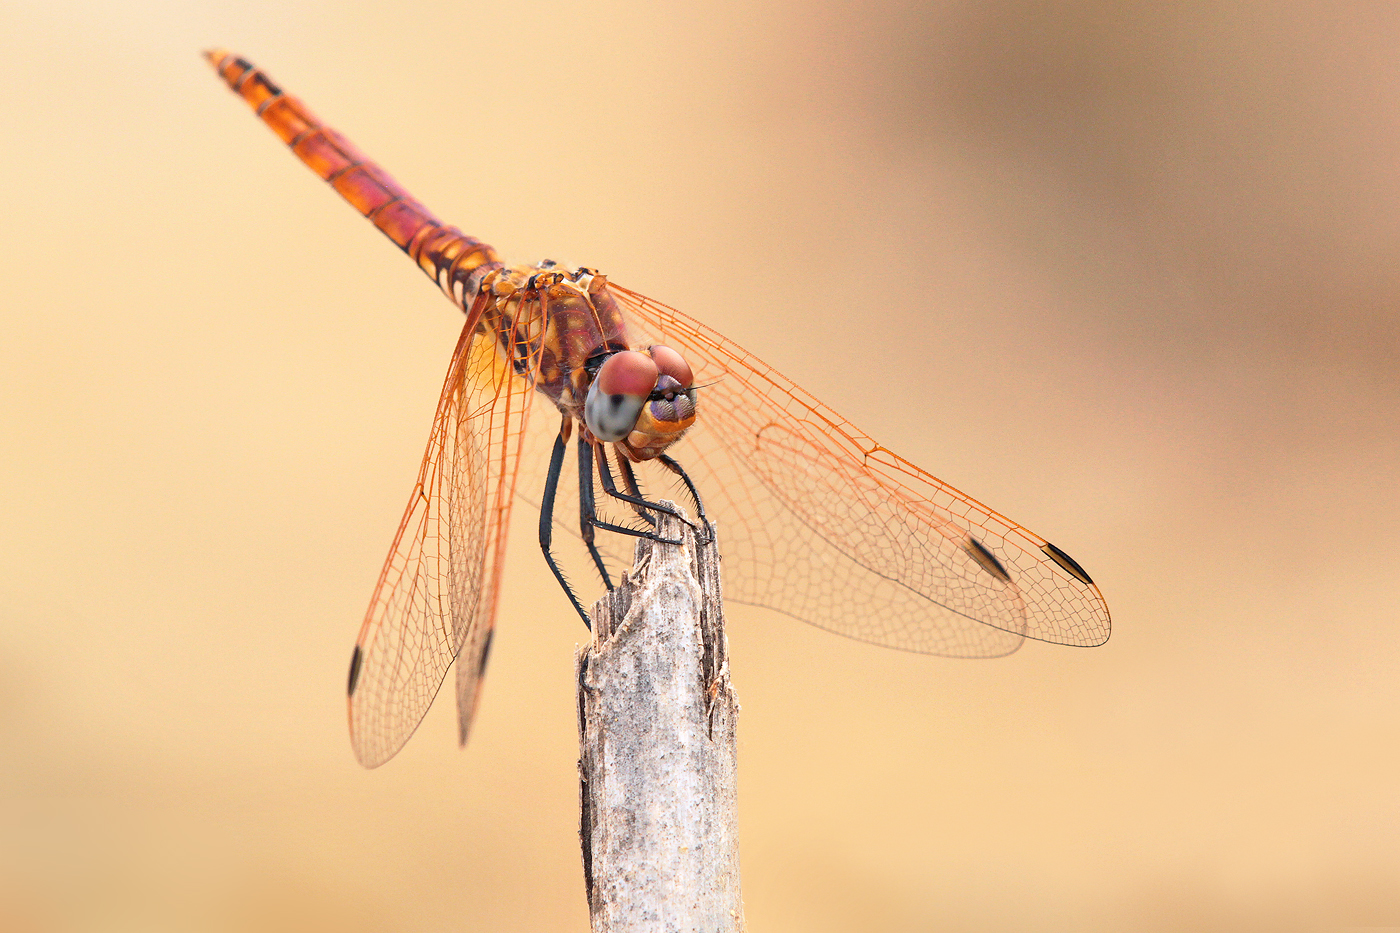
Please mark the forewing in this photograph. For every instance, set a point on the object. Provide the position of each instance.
(435, 599)
(817, 521)
(493, 429)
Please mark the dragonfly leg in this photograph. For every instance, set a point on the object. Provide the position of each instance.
(587, 508)
(551, 487)
(637, 501)
(629, 479)
(634, 489)
(634, 532)
(633, 496)
(669, 462)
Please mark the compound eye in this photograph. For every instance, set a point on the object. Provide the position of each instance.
(672, 364)
(615, 399)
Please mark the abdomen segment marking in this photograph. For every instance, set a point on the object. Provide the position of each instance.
(455, 261)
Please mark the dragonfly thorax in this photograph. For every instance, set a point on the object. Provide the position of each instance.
(565, 332)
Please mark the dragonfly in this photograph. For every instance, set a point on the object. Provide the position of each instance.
(817, 521)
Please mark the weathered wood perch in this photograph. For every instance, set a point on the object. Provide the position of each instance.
(657, 722)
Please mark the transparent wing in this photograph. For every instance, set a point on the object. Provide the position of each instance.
(817, 521)
(436, 596)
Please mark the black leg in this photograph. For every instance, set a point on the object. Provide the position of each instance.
(676, 468)
(587, 508)
(629, 483)
(551, 486)
(636, 500)
(638, 503)
(634, 496)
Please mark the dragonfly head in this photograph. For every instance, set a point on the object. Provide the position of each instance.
(641, 400)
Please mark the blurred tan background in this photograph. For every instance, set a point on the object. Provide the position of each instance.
(1127, 274)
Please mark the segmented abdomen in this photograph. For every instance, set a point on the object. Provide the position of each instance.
(449, 257)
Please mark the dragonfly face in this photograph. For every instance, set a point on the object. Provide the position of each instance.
(642, 401)
(819, 522)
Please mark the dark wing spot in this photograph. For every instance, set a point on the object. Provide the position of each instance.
(1067, 563)
(986, 558)
(356, 660)
(485, 653)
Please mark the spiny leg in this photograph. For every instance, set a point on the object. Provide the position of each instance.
(551, 486)
(623, 529)
(629, 482)
(587, 508)
(633, 496)
(670, 464)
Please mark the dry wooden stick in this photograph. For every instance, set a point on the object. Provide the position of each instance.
(657, 722)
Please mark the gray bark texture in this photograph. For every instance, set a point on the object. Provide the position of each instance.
(657, 761)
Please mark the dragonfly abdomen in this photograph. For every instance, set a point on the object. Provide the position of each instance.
(455, 261)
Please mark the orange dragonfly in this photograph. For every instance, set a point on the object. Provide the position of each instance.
(818, 521)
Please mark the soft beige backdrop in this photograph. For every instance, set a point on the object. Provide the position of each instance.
(1129, 275)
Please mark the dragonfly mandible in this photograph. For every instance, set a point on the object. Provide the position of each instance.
(817, 520)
